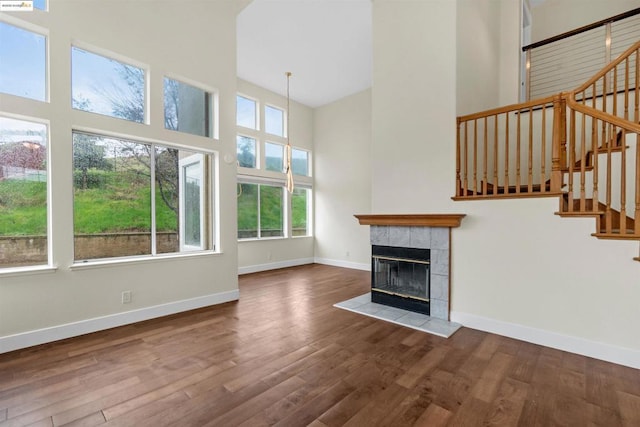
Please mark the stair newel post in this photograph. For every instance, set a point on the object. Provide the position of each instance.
(594, 161)
(458, 182)
(636, 117)
(556, 146)
(465, 175)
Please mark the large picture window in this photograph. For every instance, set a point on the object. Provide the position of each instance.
(260, 211)
(133, 198)
(23, 61)
(23, 193)
(106, 86)
(300, 211)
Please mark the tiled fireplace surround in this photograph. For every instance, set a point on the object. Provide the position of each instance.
(434, 238)
(427, 231)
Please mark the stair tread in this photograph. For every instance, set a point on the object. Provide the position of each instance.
(617, 236)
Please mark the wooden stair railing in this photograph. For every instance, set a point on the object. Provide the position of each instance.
(583, 146)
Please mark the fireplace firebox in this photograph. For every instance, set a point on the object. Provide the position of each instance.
(400, 277)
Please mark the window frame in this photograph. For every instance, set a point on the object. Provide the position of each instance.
(256, 103)
(284, 204)
(44, 32)
(209, 211)
(213, 104)
(110, 55)
(49, 265)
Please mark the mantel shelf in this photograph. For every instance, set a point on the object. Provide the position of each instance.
(413, 220)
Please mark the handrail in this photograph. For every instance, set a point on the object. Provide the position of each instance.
(610, 66)
(601, 115)
(583, 29)
(507, 109)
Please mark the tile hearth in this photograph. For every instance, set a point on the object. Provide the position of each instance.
(421, 322)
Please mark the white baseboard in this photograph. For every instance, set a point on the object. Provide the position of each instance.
(597, 350)
(274, 265)
(345, 264)
(55, 333)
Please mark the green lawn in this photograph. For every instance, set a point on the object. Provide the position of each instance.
(120, 206)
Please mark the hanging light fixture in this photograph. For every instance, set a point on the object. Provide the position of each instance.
(288, 170)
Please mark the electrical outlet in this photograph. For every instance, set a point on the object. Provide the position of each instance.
(126, 297)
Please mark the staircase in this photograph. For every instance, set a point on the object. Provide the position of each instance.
(581, 146)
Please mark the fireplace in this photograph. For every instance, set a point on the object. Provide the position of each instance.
(410, 260)
(400, 277)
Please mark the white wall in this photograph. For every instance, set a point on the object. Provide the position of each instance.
(257, 255)
(342, 135)
(553, 17)
(517, 269)
(414, 105)
(196, 42)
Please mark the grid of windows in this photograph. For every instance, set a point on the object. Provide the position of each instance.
(131, 197)
(265, 208)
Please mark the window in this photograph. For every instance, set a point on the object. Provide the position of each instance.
(22, 62)
(246, 112)
(274, 156)
(274, 120)
(23, 193)
(133, 198)
(186, 108)
(246, 151)
(300, 162)
(265, 208)
(300, 211)
(260, 210)
(105, 86)
(40, 4)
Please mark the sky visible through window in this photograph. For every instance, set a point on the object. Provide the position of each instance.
(22, 62)
(105, 86)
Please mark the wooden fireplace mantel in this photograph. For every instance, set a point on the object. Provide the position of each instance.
(414, 220)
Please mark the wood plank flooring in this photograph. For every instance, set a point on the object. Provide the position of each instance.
(284, 356)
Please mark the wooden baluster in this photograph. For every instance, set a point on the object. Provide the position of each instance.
(626, 88)
(563, 130)
(594, 173)
(475, 157)
(583, 160)
(623, 183)
(458, 148)
(636, 222)
(506, 155)
(604, 92)
(572, 162)
(530, 160)
(543, 154)
(556, 146)
(486, 164)
(518, 154)
(465, 180)
(607, 212)
(495, 154)
(636, 114)
(615, 91)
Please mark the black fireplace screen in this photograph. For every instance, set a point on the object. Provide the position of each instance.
(401, 272)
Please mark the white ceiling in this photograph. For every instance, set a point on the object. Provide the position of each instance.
(325, 44)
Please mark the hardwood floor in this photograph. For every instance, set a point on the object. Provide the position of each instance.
(284, 356)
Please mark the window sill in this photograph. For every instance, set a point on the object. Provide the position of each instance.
(23, 271)
(270, 239)
(115, 262)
